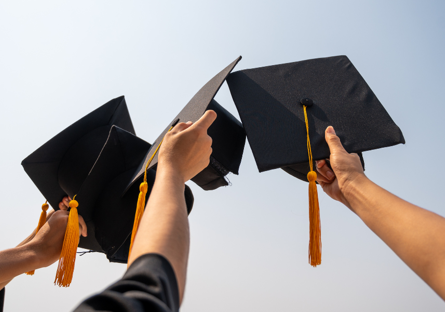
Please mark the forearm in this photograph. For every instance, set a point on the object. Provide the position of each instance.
(164, 227)
(416, 235)
(27, 240)
(16, 261)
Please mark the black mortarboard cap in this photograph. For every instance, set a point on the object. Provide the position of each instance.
(269, 101)
(95, 158)
(226, 132)
(285, 110)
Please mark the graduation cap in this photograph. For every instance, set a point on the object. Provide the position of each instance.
(93, 161)
(285, 110)
(227, 133)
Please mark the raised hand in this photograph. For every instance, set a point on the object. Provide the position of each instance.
(186, 149)
(345, 169)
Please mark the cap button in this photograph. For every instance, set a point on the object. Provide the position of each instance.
(306, 101)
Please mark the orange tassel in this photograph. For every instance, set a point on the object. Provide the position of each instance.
(67, 259)
(314, 209)
(143, 188)
(140, 206)
(42, 221)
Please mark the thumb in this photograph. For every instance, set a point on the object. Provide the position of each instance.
(333, 141)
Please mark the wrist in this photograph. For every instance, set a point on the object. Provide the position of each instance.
(30, 256)
(352, 187)
(34, 255)
(166, 172)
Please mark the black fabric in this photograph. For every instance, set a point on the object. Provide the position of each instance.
(226, 132)
(96, 165)
(2, 298)
(211, 177)
(149, 285)
(43, 165)
(268, 101)
(101, 199)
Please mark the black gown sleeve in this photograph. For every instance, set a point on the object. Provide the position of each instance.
(148, 285)
(2, 298)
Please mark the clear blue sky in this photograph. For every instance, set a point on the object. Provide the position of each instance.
(60, 60)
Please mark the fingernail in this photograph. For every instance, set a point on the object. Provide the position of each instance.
(330, 174)
(188, 123)
(317, 162)
(330, 130)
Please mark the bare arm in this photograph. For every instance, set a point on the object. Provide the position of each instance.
(3, 283)
(164, 227)
(416, 235)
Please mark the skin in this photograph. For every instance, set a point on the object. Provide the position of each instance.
(415, 234)
(184, 153)
(38, 250)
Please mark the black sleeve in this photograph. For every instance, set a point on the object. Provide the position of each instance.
(148, 285)
(2, 298)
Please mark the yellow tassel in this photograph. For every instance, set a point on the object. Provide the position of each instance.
(314, 209)
(314, 222)
(140, 206)
(67, 259)
(42, 221)
(143, 188)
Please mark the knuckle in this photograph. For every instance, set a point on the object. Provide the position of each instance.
(201, 133)
(60, 217)
(334, 139)
(356, 157)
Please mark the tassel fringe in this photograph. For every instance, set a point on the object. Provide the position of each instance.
(140, 207)
(67, 259)
(314, 222)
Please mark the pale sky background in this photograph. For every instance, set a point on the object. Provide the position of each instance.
(62, 59)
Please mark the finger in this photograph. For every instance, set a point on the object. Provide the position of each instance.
(206, 120)
(320, 163)
(181, 126)
(66, 201)
(325, 171)
(333, 141)
(62, 206)
(82, 227)
(321, 179)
